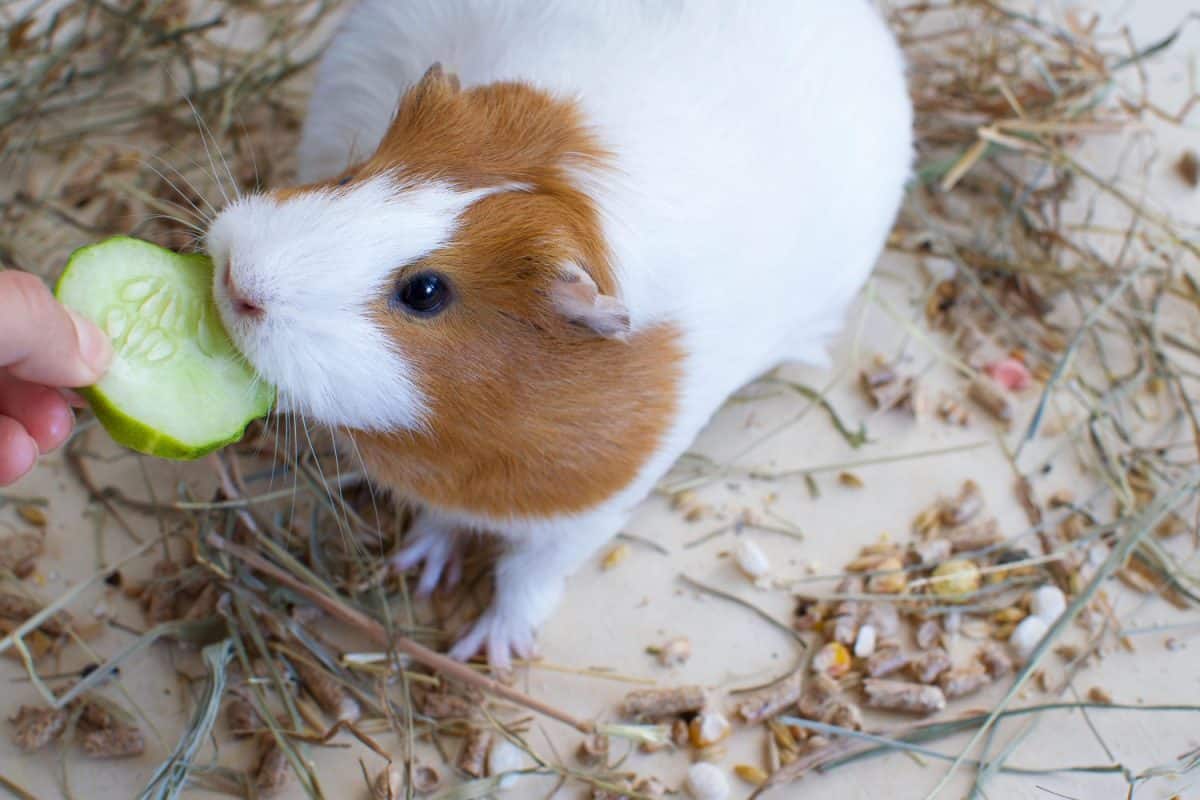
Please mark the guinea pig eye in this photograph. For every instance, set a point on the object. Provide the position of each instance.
(346, 179)
(423, 293)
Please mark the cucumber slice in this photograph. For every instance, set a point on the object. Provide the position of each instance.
(177, 387)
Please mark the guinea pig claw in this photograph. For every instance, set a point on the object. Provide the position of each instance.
(412, 554)
(501, 638)
(470, 644)
(439, 555)
(438, 548)
(454, 570)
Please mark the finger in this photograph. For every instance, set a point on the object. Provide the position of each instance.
(43, 342)
(18, 451)
(42, 412)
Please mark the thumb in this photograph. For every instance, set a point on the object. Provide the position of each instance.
(43, 342)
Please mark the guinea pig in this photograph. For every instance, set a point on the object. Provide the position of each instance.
(518, 286)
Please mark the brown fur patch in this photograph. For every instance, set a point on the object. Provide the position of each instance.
(530, 415)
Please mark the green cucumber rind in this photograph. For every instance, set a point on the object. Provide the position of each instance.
(79, 251)
(129, 432)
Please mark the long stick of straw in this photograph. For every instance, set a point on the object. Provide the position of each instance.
(418, 652)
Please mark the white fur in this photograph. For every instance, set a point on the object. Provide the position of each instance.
(314, 264)
(761, 149)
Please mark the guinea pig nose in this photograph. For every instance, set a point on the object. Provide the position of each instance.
(243, 305)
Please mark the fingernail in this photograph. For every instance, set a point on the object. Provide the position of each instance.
(74, 399)
(93, 344)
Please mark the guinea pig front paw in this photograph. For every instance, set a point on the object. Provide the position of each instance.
(501, 635)
(439, 547)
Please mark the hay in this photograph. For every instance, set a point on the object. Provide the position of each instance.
(141, 117)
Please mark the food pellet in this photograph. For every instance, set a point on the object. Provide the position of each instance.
(864, 645)
(751, 560)
(1048, 603)
(706, 782)
(955, 579)
(892, 579)
(833, 660)
(755, 776)
(615, 556)
(708, 728)
(675, 652)
(914, 698)
(1026, 635)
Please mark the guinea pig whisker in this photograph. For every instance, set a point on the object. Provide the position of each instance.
(362, 464)
(249, 140)
(196, 230)
(205, 136)
(147, 159)
(342, 519)
(295, 456)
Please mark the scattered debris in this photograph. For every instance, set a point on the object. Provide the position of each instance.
(674, 652)
(426, 778)
(327, 691)
(1187, 167)
(850, 480)
(886, 388)
(19, 553)
(864, 643)
(706, 782)
(751, 559)
(32, 514)
(240, 716)
(927, 666)
(755, 776)
(991, 398)
(116, 742)
(593, 750)
(961, 681)
(38, 727)
(1026, 636)
(766, 703)
(955, 580)
(388, 784)
(833, 660)
(1048, 603)
(1010, 373)
(914, 698)
(654, 704)
(473, 757)
(708, 728)
(616, 556)
(995, 660)
(886, 661)
(272, 773)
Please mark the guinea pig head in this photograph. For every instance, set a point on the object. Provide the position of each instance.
(450, 303)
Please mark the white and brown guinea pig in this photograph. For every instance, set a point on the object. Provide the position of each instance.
(519, 286)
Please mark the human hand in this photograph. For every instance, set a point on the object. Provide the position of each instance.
(44, 347)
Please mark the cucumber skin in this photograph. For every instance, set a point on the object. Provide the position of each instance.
(127, 431)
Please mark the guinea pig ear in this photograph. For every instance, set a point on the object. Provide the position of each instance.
(436, 82)
(575, 295)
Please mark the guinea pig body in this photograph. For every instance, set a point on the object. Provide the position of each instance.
(521, 289)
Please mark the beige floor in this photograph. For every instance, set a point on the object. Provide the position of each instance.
(609, 617)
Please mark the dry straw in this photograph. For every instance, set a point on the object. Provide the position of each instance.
(142, 117)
